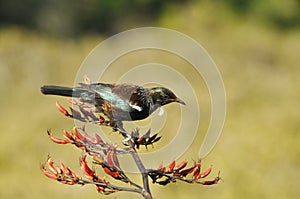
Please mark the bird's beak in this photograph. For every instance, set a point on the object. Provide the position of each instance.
(180, 101)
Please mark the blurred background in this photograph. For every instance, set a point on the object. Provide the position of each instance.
(255, 44)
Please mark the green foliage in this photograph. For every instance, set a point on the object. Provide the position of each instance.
(77, 17)
(279, 13)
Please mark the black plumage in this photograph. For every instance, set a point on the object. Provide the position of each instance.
(119, 102)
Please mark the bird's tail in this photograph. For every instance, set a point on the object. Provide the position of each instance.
(62, 91)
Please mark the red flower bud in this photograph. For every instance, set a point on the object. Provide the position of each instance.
(62, 109)
(56, 140)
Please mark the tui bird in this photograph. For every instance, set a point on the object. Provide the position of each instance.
(119, 102)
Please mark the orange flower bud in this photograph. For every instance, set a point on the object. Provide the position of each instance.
(68, 136)
(196, 173)
(62, 109)
(171, 166)
(78, 135)
(50, 166)
(205, 173)
(89, 173)
(181, 165)
(114, 174)
(56, 140)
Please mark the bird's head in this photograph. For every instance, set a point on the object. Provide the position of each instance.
(163, 96)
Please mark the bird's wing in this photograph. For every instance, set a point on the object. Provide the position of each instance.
(111, 93)
(132, 94)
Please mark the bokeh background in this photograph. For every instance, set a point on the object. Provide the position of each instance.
(256, 45)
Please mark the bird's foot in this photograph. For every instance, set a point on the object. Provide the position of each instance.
(128, 139)
(118, 126)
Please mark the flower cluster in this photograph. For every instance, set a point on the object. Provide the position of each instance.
(105, 155)
(174, 172)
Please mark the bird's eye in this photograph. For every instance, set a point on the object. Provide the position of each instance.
(167, 97)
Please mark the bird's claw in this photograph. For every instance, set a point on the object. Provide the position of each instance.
(127, 140)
